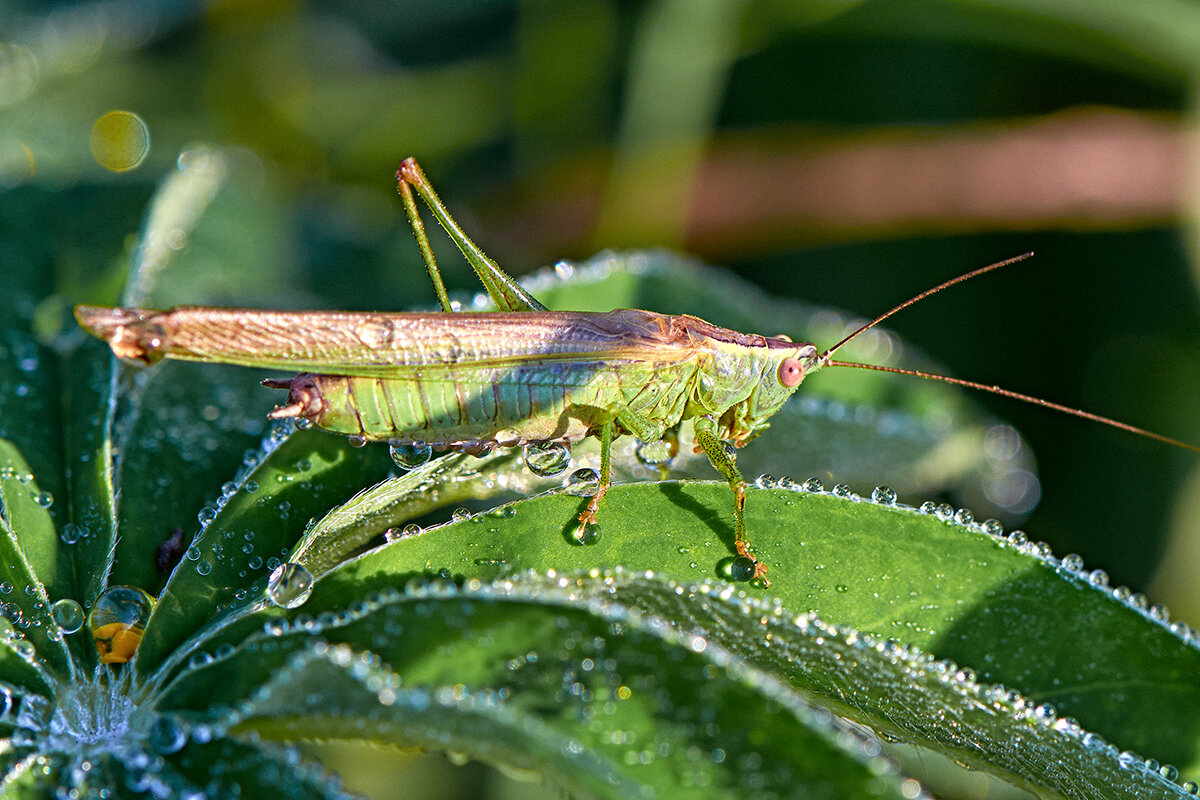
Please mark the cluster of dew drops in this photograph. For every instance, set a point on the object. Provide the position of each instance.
(1071, 565)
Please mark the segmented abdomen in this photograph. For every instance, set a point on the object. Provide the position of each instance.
(494, 405)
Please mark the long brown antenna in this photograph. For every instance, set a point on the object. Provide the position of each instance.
(972, 274)
(825, 360)
(1037, 401)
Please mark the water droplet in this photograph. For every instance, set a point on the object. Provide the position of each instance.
(167, 735)
(547, 459)
(206, 515)
(68, 615)
(992, 527)
(6, 587)
(508, 437)
(766, 481)
(928, 507)
(117, 621)
(203, 568)
(583, 483)
(356, 440)
(588, 533)
(739, 568)
(44, 499)
(884, 495)
(964, 516)
(1073, 562)
(1098, 577)
(70, 533)
(656, 454)
(842, 490)
(1018, 537)
(410, 455)
(944, 511)
(812, 485)
(290, 585)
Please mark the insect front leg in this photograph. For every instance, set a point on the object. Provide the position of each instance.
(714, 448)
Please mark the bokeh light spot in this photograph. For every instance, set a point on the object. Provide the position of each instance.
(18, 73)
(16, 162)
(120, 140)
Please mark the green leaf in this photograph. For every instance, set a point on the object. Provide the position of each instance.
(258, 519)
(592, 697)
(1000, 607)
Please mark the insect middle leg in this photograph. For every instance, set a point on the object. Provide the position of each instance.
(640, 427)
(719, 457)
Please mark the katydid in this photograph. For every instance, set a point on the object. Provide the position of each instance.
(518, 376)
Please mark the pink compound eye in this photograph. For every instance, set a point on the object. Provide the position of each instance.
(791, 372)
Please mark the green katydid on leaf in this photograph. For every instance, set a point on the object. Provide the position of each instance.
(521, 376)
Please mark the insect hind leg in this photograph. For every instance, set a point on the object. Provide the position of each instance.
(504, 290)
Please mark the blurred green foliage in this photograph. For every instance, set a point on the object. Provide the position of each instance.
(556, 129)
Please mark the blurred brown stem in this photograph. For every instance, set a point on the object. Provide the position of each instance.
(1087, 168)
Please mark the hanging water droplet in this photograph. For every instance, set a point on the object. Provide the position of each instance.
(547, 459)
(290, 585)
(508, 437)
(884, 495)
(655, 454)
(588, 533)
(117, 621)
(582, 483)
(44, 499)
(410, 455)
(68, 615)
(357, 440)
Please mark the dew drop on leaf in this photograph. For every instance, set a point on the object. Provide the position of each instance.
(68, 615)
(117, 621)
(587, 533)
(884, 495)
(290, 585)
